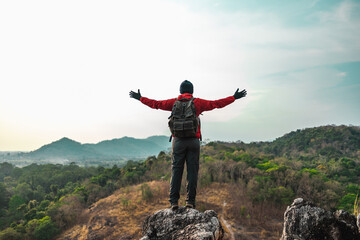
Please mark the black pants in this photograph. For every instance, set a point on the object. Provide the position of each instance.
(184, 149)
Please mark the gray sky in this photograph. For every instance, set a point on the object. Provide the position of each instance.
(66, 67)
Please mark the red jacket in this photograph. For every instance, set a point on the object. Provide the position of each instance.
(201, 105)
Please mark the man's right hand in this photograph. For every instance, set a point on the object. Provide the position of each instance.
(241, 94)
(135, 95)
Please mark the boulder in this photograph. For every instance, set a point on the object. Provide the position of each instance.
(303, 220)
(183, 223)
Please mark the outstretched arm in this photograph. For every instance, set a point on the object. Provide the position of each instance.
(163, 105)
(206, 105)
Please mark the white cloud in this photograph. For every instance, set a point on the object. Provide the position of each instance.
(341, 14)
(342, 74)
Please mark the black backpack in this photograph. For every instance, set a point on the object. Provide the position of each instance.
(183, 121)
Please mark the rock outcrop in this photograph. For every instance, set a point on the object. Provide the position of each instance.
(303, 220)
(184, 223)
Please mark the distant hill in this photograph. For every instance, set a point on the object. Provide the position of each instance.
(331, 141)
(131, 147)
(64, 148)
(122, 148)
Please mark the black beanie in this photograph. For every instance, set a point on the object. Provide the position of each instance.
(186, 87)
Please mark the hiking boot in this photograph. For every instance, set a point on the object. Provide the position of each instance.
(190, 205)
(174, 206)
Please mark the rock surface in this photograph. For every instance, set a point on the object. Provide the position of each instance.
(303, 220)
(184, 223)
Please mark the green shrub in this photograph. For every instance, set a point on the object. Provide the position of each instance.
(146, 192)
(347, 202)
(46, 229)
(10, 234)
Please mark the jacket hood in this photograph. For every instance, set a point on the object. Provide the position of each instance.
(187, 96)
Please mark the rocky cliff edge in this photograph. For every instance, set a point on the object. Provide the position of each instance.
(183, 223)
(303, 220)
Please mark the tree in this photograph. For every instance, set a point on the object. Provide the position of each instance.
(4, 196)
(39, 193)
(46, 229)
(31, 214)
(15, 202)
(54, 188)
(43, 205)
(5, 169)
(32, 204)
(24, 191)
(10, 234)
(281, 195)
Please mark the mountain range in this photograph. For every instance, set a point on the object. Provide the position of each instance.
(330, 141)
(121, 148)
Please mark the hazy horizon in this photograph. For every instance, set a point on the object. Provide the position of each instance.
(67, 67)
(204, 140)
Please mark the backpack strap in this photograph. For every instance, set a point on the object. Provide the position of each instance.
(198, 118)
(200, 130)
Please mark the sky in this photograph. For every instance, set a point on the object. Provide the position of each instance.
(66, 67)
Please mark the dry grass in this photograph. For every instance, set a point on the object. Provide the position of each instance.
(247, 221)
(356, 206)
(120, 216)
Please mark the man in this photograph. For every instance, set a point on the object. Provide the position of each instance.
(186, 148)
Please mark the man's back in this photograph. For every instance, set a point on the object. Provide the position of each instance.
(201, 105)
